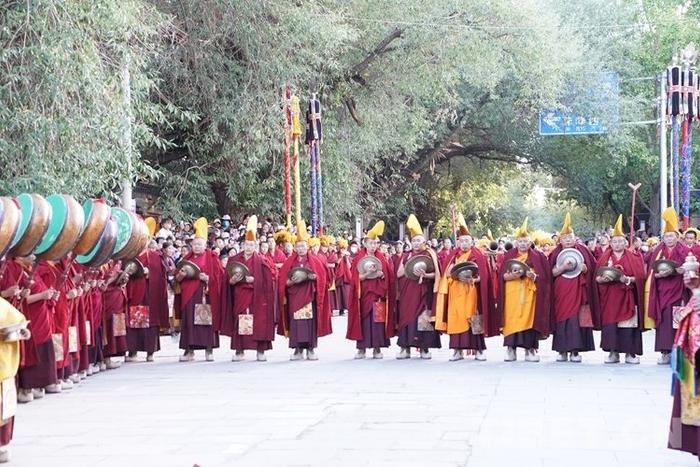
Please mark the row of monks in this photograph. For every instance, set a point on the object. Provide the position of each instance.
(81, 318)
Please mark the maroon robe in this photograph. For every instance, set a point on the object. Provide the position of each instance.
(114, 303)
(53, 276)
(342, 281)
(414, 298)
(139, 293)
(619, 302)
(42, 371)
(257, 298)
(295, 297)
(157, 287)
(666, 293)
(192, 292)
(362, 326)
(569, 295)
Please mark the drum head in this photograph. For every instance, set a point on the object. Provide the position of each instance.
(59, 214)
(26, 207)
(9, 223)
(124, 229)
(74, 220)
(97, 214)
(36, 216)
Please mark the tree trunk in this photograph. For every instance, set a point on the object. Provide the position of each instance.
(224, 204)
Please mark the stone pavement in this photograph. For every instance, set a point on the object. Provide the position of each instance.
(339, 411)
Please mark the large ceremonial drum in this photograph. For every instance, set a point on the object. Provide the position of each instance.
(97, 214)
(103, 250)
(132, 234)
(9, 223)
(67, 220)
(36, 216)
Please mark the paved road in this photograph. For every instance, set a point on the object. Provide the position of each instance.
(338, 411)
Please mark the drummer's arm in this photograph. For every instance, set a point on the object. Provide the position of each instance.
(556, 271)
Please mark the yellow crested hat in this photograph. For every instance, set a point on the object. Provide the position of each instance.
(376, 231)
(201, 228)
(282, 236)
(150, 225)
(617, 230)
(414, 227)
(462, 225)
(483, 243)
(566, 229)
(314, 241)
(670, 220)
(522, 230)
(302, 234)
(343, 244)
(251, 230)
(652, 241)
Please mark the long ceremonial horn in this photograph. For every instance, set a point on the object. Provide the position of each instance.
(634, 189)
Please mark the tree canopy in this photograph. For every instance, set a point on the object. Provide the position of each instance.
(426, 105)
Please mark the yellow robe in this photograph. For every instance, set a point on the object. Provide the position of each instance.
(9, 362)
(462, 301)
(519, 306)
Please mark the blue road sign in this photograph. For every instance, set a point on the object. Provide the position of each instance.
(602, 91)
(555, 122)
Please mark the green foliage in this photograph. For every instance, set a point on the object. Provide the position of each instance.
(426, 105)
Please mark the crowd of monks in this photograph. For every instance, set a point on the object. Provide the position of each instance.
(81, 319)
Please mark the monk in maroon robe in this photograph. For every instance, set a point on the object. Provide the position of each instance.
(416, 299)
(371, 314)
(446, 253)
(115, 312)
(331, 259)
(304, 308)
(666, 289)
(202, 333)
(149, 290)
(343, 276)
(251, 320)
(39, 370)
(455, 297)
(575, 299)
(621, 301)
(524, 310)
(55, 275)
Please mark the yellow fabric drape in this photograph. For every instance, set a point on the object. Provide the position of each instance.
(9, 351)
(690, 405)
(649, 322)
(519, 306)
(462, 301)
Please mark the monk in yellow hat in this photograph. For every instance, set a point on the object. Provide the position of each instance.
(371, 310)
(575, 299)
(303, 299)
(148, 290)
(342, 276)
(666, 289)
(464, 303)
(621, 299)
(416, 304)
(327, 254)
(200, 297)
(251, 320)
(524, 297)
